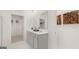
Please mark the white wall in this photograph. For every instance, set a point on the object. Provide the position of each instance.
(6, 27)
(68, 35)
(69, 38)
(52, 41)
(32, 19)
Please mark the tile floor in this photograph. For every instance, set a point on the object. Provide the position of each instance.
(19, 45)
(16, 38)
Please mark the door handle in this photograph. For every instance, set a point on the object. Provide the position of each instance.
(55, 32)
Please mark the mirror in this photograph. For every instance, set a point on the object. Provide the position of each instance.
(43, 20)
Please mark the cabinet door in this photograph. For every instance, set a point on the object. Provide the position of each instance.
(43, 41)
(30, 38)
(35, 42)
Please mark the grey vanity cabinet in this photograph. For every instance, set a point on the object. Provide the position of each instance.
(37, 41)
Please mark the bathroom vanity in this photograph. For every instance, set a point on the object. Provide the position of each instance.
(37, 39)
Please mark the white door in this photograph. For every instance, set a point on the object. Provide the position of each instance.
(17, 28)
(0, 31)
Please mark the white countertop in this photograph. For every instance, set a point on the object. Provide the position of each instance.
(42, 31)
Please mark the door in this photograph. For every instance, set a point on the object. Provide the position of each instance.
(0, 31)
(17, 28)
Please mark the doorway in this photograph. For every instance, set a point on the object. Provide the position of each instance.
(17, 28)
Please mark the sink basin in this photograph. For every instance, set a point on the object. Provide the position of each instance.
(36, 30)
